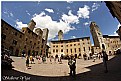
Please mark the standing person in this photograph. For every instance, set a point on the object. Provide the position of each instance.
(27, 62)
(99, 55)
(72, 65)
(56, 57)
(94, 57)
(59, 59)
(23, 53)
(84, 56)
(105, 58)
(38, 58)
(50, 59)
(44, 58)
(31, 59)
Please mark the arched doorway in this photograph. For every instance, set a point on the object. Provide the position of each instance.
(17, 52)
(103, 46)
(36, 52)
(75, 55)
(11, 50)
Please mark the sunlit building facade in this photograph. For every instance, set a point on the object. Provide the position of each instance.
(28, 39)
(76, 47)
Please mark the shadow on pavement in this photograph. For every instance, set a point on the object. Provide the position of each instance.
(96, 73)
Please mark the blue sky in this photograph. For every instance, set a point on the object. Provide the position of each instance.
(72, 17)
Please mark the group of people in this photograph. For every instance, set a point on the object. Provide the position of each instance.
(92, 56)
(72, 65)
(71, 61)
(43, 59)
(59, 58)
(30, 59)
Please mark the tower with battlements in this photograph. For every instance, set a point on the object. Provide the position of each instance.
(96, 35)
(60, 35)
(31, 25)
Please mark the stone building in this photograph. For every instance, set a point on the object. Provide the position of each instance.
(28, 39)
(111, 43)
(96, 50)
(11, 38)
(76, 47)
(115, 9)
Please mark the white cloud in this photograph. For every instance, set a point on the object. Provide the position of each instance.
(49, 10)
(83, 12)
(116, 34)
(95, 6)
(11, 14)
(73, 37)
(117, 29)
(38, 2)
(119, 25)
(45, 21)
(68, 7)
(87, 23)
(5, 12)
(68, 1)
(28, 12)
(19, 24)
(70, 18)
(8, 13)
(41, 14)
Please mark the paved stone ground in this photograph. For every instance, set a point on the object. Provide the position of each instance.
(54, 69)
(85, 70)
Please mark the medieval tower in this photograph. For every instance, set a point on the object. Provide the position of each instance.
(45, 37)
(60, 35)
(45, 34)
(96, 35)
(31, 25)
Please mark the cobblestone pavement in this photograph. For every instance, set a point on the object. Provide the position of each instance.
(54, 69)
(85, 70)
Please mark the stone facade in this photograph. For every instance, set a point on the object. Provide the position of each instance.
(28, 39)
(81, 46)
(111, 43)
(76, 47)
(96, 35)
(44, 41)
(11, 38)
(96, 50)
(60, 35)
(115, 9)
